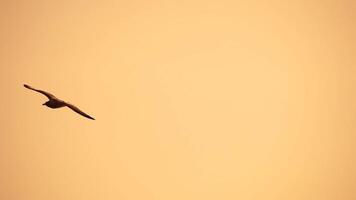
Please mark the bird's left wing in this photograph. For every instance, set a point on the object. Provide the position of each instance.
(47, 94)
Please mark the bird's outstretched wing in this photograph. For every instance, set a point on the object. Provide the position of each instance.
(77, 110)
(47, 94)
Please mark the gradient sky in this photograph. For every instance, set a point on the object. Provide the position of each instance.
(249, 100)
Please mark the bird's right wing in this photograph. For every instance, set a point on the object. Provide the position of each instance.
(77, 110)
(47, 94)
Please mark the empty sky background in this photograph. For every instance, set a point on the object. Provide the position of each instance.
(249, 100)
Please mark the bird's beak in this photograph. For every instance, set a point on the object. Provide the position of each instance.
(43, 104)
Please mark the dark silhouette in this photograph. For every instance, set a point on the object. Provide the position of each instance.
(54, 102)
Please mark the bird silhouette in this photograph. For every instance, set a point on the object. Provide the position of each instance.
(54, 102)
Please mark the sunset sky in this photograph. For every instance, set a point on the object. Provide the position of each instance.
(193, 100)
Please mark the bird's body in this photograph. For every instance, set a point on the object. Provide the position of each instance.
(55, 103)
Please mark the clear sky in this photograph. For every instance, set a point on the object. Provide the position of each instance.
(248, 100)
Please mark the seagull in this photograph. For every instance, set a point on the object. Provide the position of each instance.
(54, 102)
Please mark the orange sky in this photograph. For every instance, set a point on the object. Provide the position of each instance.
(250, 100)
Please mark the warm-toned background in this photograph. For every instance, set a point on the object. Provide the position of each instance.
(249, 100)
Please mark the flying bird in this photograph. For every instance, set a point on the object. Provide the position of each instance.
(54, 102)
